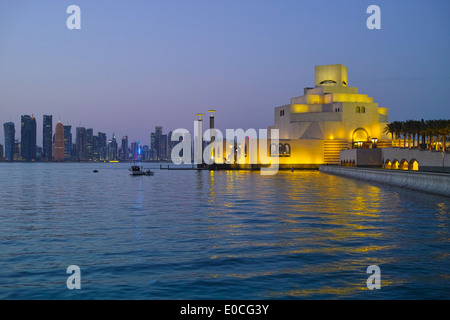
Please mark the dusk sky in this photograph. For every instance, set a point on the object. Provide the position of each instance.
(138, 64)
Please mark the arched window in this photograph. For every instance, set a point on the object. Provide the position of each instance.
(395, 165)
(403, 165)
(388, 164)
(413, 165)
(287, 150)
(363, 109)
(280, 148)
(328, 82)
(358, 109)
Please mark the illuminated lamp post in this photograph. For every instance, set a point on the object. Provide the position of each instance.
(198, 140)
(374, 142)
(211, 127)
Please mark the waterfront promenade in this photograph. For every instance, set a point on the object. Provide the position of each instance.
(431, 182)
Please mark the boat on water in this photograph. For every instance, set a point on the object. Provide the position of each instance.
(140, 171)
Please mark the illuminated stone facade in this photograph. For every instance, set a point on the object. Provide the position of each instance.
(315, 127)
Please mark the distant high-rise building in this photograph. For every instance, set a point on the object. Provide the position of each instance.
(17, 152)
(47, 133)
(10, 132)
(102, 146)
(1, 152)
(89, 143)
(112, 149)
(124, 149)
(136, 151)
(163, 147)
(67, 143)
(145, 153)
(81, 144)
(158, 144)
(28, 138)
(96, 148)
(59, 142)
(74, 152)
(38, 153)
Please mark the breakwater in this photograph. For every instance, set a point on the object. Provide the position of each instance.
(436, 183)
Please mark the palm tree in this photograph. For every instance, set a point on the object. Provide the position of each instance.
(430, 131)
(443, 129)
(422, 132)
(410, 131)
(389, 129)
(397, 127)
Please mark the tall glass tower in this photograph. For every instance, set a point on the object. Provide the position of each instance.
(47, 133)
(89, 143)
(81, 144)
(10, 132)
(67, 143)
(28, 138)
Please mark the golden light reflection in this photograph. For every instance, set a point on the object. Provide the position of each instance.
(295, 214)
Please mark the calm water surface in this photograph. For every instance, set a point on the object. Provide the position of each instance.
(216, 235)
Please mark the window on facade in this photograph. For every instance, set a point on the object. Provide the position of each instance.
(287, 150)
(328, 81)
(281, 113)
(358, 109)
(363, 109)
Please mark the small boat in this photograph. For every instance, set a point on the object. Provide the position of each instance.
(140, 171)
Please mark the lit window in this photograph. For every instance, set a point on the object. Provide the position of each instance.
(287, 150)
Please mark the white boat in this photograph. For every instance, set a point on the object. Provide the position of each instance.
(140, 171)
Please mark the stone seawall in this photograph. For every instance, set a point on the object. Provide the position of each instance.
(436, 183)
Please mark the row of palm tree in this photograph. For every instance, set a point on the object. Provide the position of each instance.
(430, 134)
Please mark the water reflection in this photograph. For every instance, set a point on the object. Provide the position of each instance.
(305, 217)
(219, 234)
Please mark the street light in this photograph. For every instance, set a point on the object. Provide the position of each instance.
(374, 142)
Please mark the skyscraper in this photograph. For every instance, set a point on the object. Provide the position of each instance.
(1, 152)
(102, 146)
(59, 142)
(10, 132)
(28, 138)
(112, 149)
(124, 149)
(96, 148)
(89, 143)
(67, 143)
(136, 151)
(47, 133)
(158, 144)
(81, 144)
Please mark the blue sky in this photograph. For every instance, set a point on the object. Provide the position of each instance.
(138, 64)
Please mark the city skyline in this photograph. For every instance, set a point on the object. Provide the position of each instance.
(132, 67)
(60, 144)
(40, 123)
